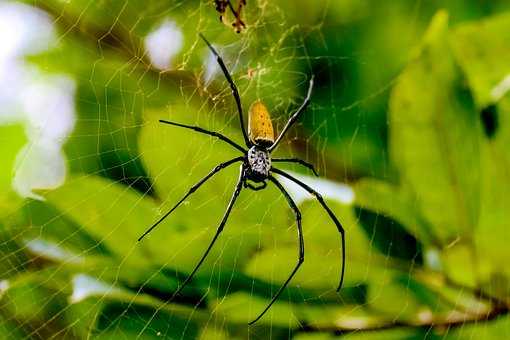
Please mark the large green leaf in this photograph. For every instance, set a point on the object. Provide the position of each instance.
(113, 214)
(105, 268)
(322, 265)
(492, 234)
(482, 50)
(177, 158)
(30, 299)
(318, 277)
(434, 136)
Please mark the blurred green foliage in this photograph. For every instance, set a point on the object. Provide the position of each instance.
(404, 110)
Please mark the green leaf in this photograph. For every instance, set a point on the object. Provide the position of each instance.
(50, 225)
(12, 138)
(322, 265)
(402, 297)
(177, 158)
(482, 50)
(34, 297)
(107, 268)
(9, 330)
(459, 262)
(242, 308)
(434, 136)
(82, 317)
(114, 215)
(129, 321)
(491, 236)
(389, 200)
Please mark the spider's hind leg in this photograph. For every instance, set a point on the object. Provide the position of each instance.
(301, 257)
(206, 132)
(335, 220)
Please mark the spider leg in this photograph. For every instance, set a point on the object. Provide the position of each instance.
(297, 160)
(301, 257)
(237, 14)
(192, 190)
(207, 132)
(218, 232)
(294, 117)
(233, 87)
(328, 210)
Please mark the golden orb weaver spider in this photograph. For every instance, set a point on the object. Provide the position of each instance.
(256, 167)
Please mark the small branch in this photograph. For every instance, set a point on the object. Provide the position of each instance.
(479, 293)
(452, 320)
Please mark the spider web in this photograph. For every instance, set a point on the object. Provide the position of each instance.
(73, 268)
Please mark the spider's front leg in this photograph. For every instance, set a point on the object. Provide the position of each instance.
(191, 191)
(298, 161)
(294, 117)
(233, 87)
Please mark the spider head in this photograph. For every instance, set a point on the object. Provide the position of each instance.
(260, 127)
(259, 163)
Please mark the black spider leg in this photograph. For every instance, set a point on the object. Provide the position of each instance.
(301, 257)
(328, 210)
(233, 87)
(237, 13)
(192, 190)
(218, 232)
(207, 132)
(294, 117)
(297, 160)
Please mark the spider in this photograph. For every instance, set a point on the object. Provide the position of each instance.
(256, 168)
(221, 7)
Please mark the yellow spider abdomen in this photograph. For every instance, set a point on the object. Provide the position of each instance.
(260, 127)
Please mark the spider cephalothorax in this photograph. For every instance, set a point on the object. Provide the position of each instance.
(256, 166)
